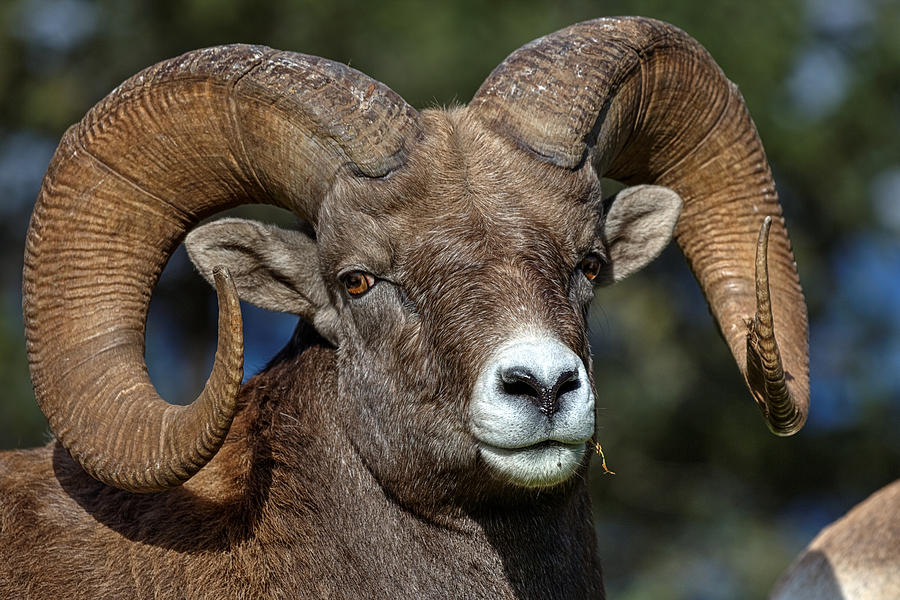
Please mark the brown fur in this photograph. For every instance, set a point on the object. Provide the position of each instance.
(352, 469)
(349, 472)
(855, 557)
(287, 508)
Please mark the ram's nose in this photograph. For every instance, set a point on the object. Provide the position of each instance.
(533, 389)
(544, 383)
(532, 411)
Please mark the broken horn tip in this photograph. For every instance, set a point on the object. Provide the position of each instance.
(764, 229)
(788, 429)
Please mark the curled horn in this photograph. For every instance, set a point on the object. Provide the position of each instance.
(640, 101)
(174, 144)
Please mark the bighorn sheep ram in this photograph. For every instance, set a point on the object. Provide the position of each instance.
(856, 557)
(427, 431)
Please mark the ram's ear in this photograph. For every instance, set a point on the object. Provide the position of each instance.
(639, 223)
(273, 268)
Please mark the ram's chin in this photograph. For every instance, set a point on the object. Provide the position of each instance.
(542, 465)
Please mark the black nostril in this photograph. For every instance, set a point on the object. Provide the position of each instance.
(519, 381)
(520, 388)
(522, 382)
(568, 381)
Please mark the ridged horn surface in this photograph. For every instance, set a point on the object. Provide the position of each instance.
(640, 101)
(180, 141)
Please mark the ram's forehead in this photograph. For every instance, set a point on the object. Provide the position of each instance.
(463, 182)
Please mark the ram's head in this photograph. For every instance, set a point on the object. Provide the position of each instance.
(450, 257)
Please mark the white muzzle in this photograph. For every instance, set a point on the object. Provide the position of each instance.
(532, 411)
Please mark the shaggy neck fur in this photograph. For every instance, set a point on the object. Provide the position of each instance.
(287, 509)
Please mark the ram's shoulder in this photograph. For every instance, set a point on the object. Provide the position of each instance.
(854, 557)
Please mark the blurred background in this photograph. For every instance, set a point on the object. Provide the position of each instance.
(706, 503)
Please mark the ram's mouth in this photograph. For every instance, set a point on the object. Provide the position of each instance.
(543, 464)
(548, 443)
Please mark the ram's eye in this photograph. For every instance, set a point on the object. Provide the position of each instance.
(357, 282)
(590, 265)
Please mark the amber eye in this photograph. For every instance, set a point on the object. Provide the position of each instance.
(357, 282)
(590, 265)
